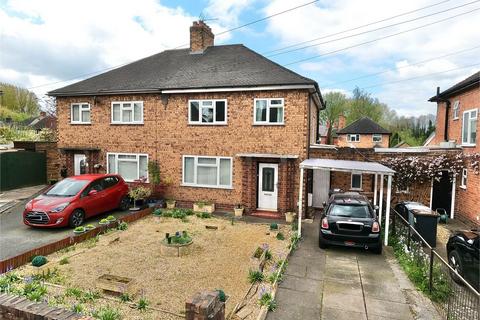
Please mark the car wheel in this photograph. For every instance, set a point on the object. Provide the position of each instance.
(455, 262)
(76, 218)
(124, 203)
(322, 243)
(378, 250)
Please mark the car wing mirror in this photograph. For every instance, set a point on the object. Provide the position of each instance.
(376, 208)
(92, 192)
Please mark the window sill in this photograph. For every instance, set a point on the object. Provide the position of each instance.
(205, 186)
(268, 124)
(208, 124)
(468, 145)
(81, 123)
(463, 187)
(454, 119)
(355, 189)
(127, 123)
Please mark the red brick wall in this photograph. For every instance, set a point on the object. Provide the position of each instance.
(365, 141)
(166, 135)
(467, 202)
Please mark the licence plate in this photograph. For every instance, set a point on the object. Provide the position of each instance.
(349, 243)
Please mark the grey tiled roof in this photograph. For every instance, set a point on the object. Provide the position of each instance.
(471, 82)
(364, 125)
(217, 66)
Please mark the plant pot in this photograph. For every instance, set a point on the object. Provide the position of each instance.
(208, 208)
(89, 228)
(238, 212)
(290, 216)
(79, 232)
(171, 204)
(104, 223)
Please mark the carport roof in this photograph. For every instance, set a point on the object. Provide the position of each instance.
(347, 166)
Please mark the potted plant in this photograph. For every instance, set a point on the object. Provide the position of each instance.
(139, 193)
(79, 230)
(104, 222)
(204, 206)
(111, 218)
(238, 210)
(170, 203)
(290, 216)
(89, 227)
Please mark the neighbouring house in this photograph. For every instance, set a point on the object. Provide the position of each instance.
(223, 122)
(43, 121)
(323, 135)
(363, 133)
(429, 139)
(457, 127)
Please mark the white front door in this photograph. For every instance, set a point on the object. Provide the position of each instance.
(79, 164)
(267, 186)
(321, 187)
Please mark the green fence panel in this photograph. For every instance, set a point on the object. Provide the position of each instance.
(22, 169)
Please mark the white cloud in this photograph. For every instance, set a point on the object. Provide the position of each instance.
(327, 17)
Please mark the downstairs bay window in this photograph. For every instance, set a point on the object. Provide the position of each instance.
(213, 172)
(130, 166)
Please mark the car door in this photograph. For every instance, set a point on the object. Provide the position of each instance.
(94, 204)
(112, 193)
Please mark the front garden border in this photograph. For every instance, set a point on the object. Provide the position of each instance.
(24, 258)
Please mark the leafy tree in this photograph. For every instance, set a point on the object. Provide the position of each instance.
(337, 103)
(18, 99)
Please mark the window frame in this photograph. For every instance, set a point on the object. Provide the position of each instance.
(361, 181)
(456, 110)
(121, 112)
(80, 106)
(377, 135)
(349, 137)
(217, 165)
(463, 178)
(470, 111)
(200, 106)
(269, 105)
(138, 155)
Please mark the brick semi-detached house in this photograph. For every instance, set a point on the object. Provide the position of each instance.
(457, 127)
(223, 122)
(363, 133)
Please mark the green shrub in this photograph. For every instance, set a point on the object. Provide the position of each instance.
(142, 304)
(7, 281)
(90, 226)
(104, 221)
(125, 297)
(157, 212)
(179, 213)
(34, 291)
(77, 308)
(280, 236)
(181, 238)
(258, 253)
(79, 229)
(255, 276)
(273, 226)
(294, 226)
(90, 296)
(268, 255)
(107, 313)
(74, 292)
(167, 213)
(221, 295)
(39, 261)
(204, 215)
(49, 275)
(267, 300)
(111, 218)
(122, 226)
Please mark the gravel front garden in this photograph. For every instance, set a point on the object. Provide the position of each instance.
(220, 257)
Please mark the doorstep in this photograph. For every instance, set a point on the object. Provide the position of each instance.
(266, 214)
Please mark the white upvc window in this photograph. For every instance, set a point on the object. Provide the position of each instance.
(207, 112)
(456, 109)
(210, 172)
(356, 182)
(353, 137)
(127, 112)
(463, 181)
(131, 166)
(376, 137)
(80, 113)
(268, 111)
(469, 127)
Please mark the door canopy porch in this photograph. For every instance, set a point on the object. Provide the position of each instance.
(364, 167)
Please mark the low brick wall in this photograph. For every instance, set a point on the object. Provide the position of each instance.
(21, 259)
(17, 307)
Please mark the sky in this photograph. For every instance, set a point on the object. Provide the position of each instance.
(44, 43)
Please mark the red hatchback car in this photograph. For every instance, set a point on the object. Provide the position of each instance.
(74, 199)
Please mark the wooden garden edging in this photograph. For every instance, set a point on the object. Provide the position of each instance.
(26, 257)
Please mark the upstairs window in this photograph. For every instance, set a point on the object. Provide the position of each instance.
(207, 112)
(269, 111)
(376, 137)
(80, 113)
(127, 112)
(463, 182)
(353, 137)
(469, 127)
(456, 110)
(356, 181)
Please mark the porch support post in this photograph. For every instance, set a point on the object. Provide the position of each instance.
(387, 213)
(300, 204)
(380, 209)
(375, 190)
(431, 193)
(452, 207)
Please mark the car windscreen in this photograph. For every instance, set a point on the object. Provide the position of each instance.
(67, 188)
(349, 210)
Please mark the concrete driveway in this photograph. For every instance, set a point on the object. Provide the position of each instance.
(16, 238)
(346, 283)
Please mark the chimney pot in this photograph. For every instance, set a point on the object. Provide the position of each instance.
(201, 37)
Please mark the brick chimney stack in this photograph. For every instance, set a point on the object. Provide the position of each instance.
(201, 37)
(341, 122)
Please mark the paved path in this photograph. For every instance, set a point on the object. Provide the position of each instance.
(343, 283)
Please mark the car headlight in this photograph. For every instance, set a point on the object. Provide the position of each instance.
(60, 207)
(28, 205)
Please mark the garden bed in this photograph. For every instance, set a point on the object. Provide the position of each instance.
(218, 259)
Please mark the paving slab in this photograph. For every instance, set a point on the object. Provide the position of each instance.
(384, 291)
(301, 284)
(347, 302)
(390, 309)
(329, 313)
(296, 269)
